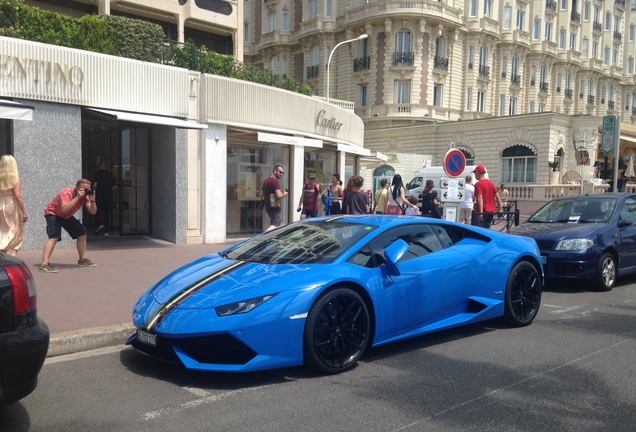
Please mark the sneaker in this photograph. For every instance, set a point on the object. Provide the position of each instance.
(47, 268)
(100, 229)
(86, 263)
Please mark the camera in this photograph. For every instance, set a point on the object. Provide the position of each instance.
(88, 192)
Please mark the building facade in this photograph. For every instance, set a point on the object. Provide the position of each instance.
(189, 158)
(441, 62)
(210, 23)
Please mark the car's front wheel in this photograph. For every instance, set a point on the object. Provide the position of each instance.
(337, 331)
(523, 294)
(606, 274)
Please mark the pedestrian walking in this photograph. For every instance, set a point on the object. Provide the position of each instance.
(466, 206)
(103, 184)
(487, 198)
(309, 200)
(381, 197)
(357, 200)
(271, 194)
(13, 213)
(397, 201)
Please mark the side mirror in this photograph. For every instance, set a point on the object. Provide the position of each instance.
(393, 253)
(624, 223)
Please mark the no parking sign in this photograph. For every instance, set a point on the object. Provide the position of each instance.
(454, 163)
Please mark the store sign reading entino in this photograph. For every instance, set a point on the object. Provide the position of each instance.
(39, 71)
(331, 123)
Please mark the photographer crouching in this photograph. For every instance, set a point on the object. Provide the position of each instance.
(59, 213)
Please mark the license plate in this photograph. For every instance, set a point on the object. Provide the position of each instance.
(544, 259)
(147, 338)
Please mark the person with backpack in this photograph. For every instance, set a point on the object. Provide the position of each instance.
(431, 206)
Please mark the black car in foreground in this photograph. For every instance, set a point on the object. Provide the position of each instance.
(24, 340)
(586, 237)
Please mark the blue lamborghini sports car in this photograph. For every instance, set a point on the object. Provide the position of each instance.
(320, 291)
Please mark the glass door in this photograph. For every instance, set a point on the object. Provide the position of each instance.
(132, 171)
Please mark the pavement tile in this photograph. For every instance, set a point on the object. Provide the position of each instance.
(91, 307)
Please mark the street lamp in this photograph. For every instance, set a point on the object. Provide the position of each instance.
(364, 36)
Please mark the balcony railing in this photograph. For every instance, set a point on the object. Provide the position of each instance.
(403, 59)
(543, 87)
(470, 65)
(576, 16)
(551, 5)
(619, 3)
(484, 71)
(441, 63)
(362, 63)
(590, 100)
(515, 80)
(568, 93)
(610, 105)
(597, 26)
(313, 71)
(618, 36)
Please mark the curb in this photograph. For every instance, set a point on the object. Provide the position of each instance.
(76, 341)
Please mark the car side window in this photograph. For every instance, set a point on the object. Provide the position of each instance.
(415, 183)
(628, 212)
(422, 240)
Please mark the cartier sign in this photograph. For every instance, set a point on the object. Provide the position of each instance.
(329, 123)
(39, 71)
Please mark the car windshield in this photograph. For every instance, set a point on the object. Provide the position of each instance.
(576, 210)
(301, 243)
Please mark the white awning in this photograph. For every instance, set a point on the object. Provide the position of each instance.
(147, 118)
(289, 140)
(348, 148)
(376, 157)
(628, 138)
(15, 110)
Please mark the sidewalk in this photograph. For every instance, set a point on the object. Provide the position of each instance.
(88, 308)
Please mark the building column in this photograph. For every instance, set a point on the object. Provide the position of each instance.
(103, 7)
(297, 179)
(213, 184)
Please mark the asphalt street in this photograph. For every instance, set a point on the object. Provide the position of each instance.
(573, 369)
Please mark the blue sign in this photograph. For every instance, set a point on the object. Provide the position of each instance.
(454, 163)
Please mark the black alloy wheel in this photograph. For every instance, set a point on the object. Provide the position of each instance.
(523, 294)
(336, 331)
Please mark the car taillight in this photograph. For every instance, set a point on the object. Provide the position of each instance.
(24, 296)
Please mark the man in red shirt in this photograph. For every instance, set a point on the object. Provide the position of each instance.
(485, 195)
(271, 196)
(59, 214)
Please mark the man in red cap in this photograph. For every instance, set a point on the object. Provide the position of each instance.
(485, 195)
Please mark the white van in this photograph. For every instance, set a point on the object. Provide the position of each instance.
(435, 173)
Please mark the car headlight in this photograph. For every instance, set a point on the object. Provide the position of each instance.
(243, 306)
(575, 244)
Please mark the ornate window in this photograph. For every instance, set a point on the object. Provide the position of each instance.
(519, 164)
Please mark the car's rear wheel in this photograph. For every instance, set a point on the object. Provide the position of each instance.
(523, 294)
(336, 331)
(606, 274)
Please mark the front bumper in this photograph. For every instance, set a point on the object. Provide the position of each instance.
(569, 265)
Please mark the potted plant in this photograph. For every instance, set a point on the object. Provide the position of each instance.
(554, 174)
